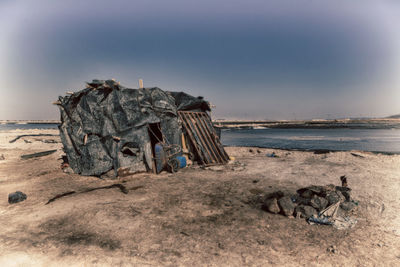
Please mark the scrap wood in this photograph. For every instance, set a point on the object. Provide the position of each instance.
(59, 196)
(25, 135)
(120, 186)
(329, 216)
(357, 155)
(39, 154)
(331, 211)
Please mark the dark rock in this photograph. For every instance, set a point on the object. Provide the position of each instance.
(287, 206)
(251, 150)
(307, 194)
(259, 151)
(16, 197)
(326, 190)
(317, 189)
(348, 205)
(346, 195)
(345, 192)
(296, 198)
(318, 203)
(271, 205)
(305, 211)
(310, 191)
(2, 157)
(334, 197)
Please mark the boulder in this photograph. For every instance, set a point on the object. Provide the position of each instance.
(318, 203)
(286, 205)
(305, 211)
(334, 197)
(329, 187)
(296, 198)
(345, 192)
(317, 189)
(310, 191)
(271, 205)
(326, 190)
(307, 194)
(16, 197)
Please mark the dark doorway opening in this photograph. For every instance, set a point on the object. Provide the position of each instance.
(156, 136)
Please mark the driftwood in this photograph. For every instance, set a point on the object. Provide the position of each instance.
(59, 196)
(357, 155)
(120, 186)
(39, 154)
(25, 135)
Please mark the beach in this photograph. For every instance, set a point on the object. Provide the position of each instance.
(197, 216)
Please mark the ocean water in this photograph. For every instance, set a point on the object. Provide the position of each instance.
(341, 139)
(8, 127)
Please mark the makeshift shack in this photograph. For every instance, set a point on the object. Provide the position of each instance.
(108, 127)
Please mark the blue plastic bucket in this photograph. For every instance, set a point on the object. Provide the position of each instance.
(182, 161)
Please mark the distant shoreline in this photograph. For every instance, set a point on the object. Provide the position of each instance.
(385, 123)
(29, 122)
(311, 124)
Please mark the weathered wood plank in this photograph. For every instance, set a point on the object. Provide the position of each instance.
(39, 154)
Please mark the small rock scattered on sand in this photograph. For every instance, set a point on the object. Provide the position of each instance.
(16, 197)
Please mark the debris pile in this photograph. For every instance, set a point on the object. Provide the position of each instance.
(328, 204)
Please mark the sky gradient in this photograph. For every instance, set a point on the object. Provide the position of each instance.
(252, 59)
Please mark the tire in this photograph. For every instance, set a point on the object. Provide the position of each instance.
(173, 165)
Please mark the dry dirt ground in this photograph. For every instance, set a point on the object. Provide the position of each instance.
(196, 216)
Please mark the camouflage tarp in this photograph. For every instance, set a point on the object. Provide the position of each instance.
(105, 126)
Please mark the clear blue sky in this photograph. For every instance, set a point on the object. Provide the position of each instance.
(253, 59)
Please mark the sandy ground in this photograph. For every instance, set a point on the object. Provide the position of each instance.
(196, 216)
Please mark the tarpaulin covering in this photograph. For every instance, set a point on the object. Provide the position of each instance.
(105, 126)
